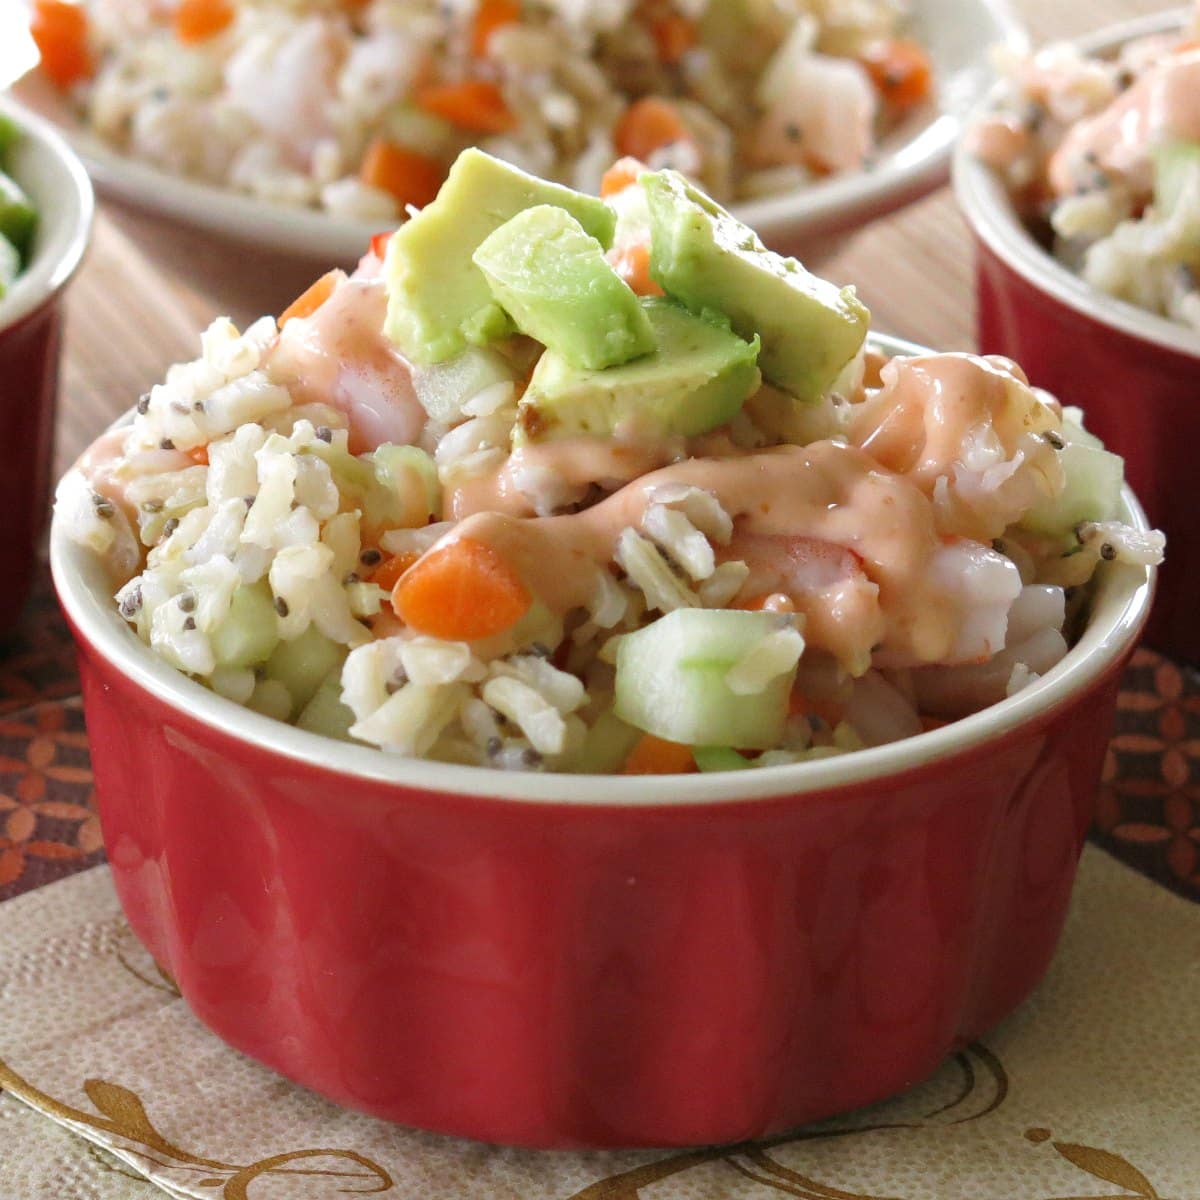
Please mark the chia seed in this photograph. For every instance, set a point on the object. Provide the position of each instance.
(169, 527)
(187, 602)
(494, 746)
(166, 444)
(132, 603)
(351, 577)
(369, 558)
(1055, 440)
(324, 433)
(1108, 552)
(143, 404)
(105, 509)
(189, 624)
(531, 758)
(281, 606)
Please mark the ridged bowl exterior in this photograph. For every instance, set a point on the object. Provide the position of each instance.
(565, 975)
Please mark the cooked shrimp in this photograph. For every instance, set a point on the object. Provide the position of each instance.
(339, 356)
(969, 432)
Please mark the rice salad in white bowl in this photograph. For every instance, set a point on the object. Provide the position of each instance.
(304, 126)
(1100, 150)
(612, 489)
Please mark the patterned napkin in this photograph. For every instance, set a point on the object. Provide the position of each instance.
(1091, 1090)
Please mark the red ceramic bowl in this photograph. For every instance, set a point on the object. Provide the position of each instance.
(30, 326)
(1135, 375)
(593, 961)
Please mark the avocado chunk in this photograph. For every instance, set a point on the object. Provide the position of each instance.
(699, 376)
(17, 216)
(438, 299)
(554, 281)
(708, 260)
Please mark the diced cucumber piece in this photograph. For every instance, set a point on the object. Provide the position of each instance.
(1092, 491)
(608, 744)
(301, 664)
(410, 474)
(18, 217)
(672, 680)
(1175, 163)
(250, 632)
(10, 264)
(1073, 430)
(325, 713)
(720, 758)
(443, 388)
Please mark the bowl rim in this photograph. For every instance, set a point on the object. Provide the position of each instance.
(911, 168)
(1120, 609)
(988, 208)
(65, 204)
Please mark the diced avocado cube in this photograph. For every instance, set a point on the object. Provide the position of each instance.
(708, 260)
(1175, 163)
(698, 377)
(303, 662)
(18, 218)
(10, 264)
(438, 299)
(553, 280)
(250, 630)
(325, 713)
(672, 680)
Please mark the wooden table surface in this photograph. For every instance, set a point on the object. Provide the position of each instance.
(130, 315)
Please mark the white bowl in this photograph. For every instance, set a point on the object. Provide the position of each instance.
(911, 162)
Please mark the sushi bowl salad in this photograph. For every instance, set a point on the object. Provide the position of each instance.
(358, 108)
(559, 483)
(1101, 154)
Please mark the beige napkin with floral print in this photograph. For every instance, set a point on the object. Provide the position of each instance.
(1091, 1090)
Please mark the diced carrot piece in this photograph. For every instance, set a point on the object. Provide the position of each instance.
(199, 455)
(60, 30)
(411, 177)
(489, 17)
(312, 297)
(901, 72)
(647, 125)
(674, 35)
(476, 105)
(622, 174)
(388, 573)
(462, 592)
(633, 266)
(654, 756)
(199, 20)
(379, 243)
